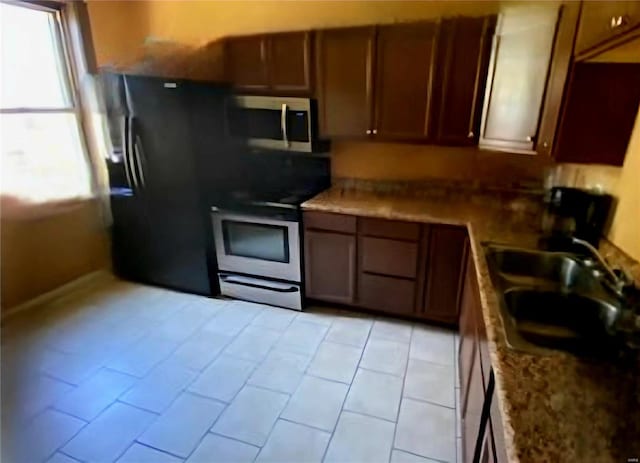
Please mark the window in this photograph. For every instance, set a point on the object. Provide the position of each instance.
(43, 157)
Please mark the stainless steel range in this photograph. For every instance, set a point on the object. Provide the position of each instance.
(257, 242)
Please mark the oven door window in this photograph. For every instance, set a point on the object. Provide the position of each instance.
(256, 241)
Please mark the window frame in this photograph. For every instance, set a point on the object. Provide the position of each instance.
(69, 76)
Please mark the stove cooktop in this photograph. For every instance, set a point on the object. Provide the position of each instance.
(288, 197)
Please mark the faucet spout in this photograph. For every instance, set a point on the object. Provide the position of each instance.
(618, 282)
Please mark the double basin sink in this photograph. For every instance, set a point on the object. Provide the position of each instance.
(551, 300)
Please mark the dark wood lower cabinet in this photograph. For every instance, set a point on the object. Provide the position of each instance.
(467, 327)
(389, 294)
(446, 256)
(330, 266)
(482, 431)
(402, 268)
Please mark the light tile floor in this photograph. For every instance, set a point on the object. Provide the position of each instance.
(117, 371)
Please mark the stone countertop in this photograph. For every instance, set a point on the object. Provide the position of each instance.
(556, 407)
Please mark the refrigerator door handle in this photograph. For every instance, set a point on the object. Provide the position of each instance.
(139, 150)
(125, 157)
(129, 151)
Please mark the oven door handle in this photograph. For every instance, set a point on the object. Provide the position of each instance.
(252, 283)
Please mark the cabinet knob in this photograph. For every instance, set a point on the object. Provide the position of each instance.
(470, 135)
(368, 132)
(618, 21)
(375, 131)
(531, 138)
(546, 144)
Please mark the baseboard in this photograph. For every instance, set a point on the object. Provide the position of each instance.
(60, 291)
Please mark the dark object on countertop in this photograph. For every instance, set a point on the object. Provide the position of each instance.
(574, 213)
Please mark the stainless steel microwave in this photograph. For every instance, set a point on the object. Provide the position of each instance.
(276, 123)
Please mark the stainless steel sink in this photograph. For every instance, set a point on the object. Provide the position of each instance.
(550, 300)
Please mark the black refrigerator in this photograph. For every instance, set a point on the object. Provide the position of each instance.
(168, 160)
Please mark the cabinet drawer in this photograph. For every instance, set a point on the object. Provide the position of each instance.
(331, 222)
(390, 229)
(386, 293)
(389, 257)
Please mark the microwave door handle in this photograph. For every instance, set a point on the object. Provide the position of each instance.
(283, 125)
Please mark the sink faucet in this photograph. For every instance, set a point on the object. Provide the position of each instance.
(618, 281)
(627, 320)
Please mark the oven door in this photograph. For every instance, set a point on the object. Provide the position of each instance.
(271, 123)
(257, 246)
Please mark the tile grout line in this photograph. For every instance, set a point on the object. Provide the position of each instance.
(233, 439)
(279, 417)
(404, 379)
(438, 460)
(59, 448)
(166, 452)
(244, 385)
(185, 390)
(335, 426)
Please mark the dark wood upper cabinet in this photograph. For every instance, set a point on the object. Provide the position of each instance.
(600, 110)
(404, 75)
(518, 71)
(445, 260)
(463, 56)
(602, 22)
(273, 63)
(345, 68)
(246, 62)
(290, 62)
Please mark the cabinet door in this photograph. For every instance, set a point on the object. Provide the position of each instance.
(389, 294)
(602, 21)
(600, 110)
(246, 62)
(445, 264)
(472, 412)
(330, 266)
(289, 62)
(344, 67)
(558, 73)
(404, 76)
(469, 307)
(520, 61)
(463, 55)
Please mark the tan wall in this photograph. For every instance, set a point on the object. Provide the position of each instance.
(44, 247)
(389, 161)
(120, 28)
